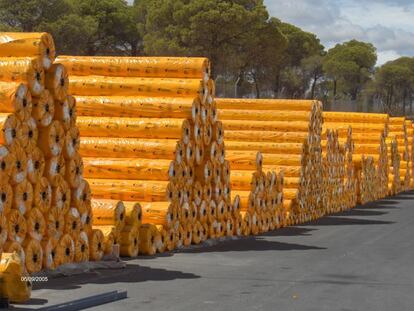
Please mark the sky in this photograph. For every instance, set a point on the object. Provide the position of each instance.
(388, 24)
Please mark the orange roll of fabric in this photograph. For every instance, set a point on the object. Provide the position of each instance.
(81, 196)
(57, 81)
(108, 213)
(61, 196)
(7, 160)
(74, 170)
(11, 129)
(72, 223)
(82, 248)
(36, 225)
(55, 168)
(23, 197)
(55, 223)
(133, 213)
(49, 247)
(43, 109)
(42, 195)
(72, 143)
(29, 135)
(65, 112)
(96, 245)
(6, 197)
(33, 255)
(3, 230)
(129, 241)
(65, 250)
(51, 139)
(15, 98)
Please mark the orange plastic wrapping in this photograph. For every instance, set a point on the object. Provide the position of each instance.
(30, 135)
(86, 219)
(138, 107)
(82, 248)
(72, 223)
(108, 213)
(6, 197)
(117, 86)
(130, 147)
(23, 197)
(131, 168)
(19, 168)
(267, 136)
(36, 225)
(96, 245)
(129, 241)
(254, 115)
(7, 160)
(148, 239)
(3, 230)
(164, 238)
(61, 196)
(49, 247)
(65, 250)
(25, 70)
(132, 190)
(42, 195)
(134, 128)
(266, 104)
(72, 143)
(23, 44)
(158, 213)
(55, 223)
(356, 117)
(11, 129)
(35, 165)
(43, 109)
(266, 147)
(55, 168)
(278, 126)
(133, 213)
(111, 236)
(57, 81)
(15, 98)
(33, 255)
(51, 139)
(74, 170)
(65, 112)
(168, 67)
(81, 196)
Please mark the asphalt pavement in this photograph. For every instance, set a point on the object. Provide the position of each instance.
(362, 259)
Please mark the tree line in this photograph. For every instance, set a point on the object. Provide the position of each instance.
(253, 54)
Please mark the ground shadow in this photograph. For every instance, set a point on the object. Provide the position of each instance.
(340, 221)
(362, 212)
(290, 231)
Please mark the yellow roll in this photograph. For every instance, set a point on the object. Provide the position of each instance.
(266, 104)
(65, 112)
(158, 213)
(7, 160)
(162, 246)
(43, 109)
(96, 245)
(6, 197)
(111, 236)
(33, 255)
(267, 136)
(29, 135)
(35, 165)
(19, 168)
(147, 239)
(3, 230)
(65, 250)
(55, 168)
(15, 98)
(61, 196)
(23, 197)
(278, 126)
(57, 81)
(108, 213)
(82, 248)
(72, 143)
(72, 223)
(86, 220)
(51, 139)
(81, 196)
(129, 241)
(96, 85)
(74, 170)
(36, 225)
(49, 247)
(133, 213)
(11, 128)
(55, 224)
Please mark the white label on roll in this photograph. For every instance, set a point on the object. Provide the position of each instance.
(55, 149)
(3, 151)
(19, 239)
(49, 260)
(30, 166)
(83, 236)
(59, 71)
(20, 177)
(22, 208)
(9, 135)
(74, 212)
(37, 87)
(46, 121)
(66, 113)
(254, 219)
(21, 91)
(84, 217)
(46, 62)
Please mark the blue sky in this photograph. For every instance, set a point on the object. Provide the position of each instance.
(388, 24)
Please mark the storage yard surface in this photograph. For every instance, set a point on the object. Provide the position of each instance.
(358, 260)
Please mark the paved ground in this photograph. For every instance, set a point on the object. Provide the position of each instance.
(359, 260)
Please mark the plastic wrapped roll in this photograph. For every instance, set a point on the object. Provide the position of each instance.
(29, 135)
(238, 225)
(207, 192)
(108, 213)
(61, 196)
(197, 233)
(55, 168)
(3, 230)
(57, 81)
(131, 168)
(247, 223)
(129, 241)
(267, 136)
(130, 147)
(24, 44)
(162, 245)
(19, 166)
(15, 98)
(188, 234)
(155, 67)
(86, 220)
(81, 196)
(25, 70)
(6, 197)
(51, 139)
(35, 165)
(179, 236)
(55, 224)
(169, 239)
(74, 170)
(252, 115)
(15, 247)
(104, 86)
(11, 129)
(49, 247)
(65, 250)
(43, 109)
(72, 223)
(202, 212)
(65, 112)
(278, 126)
(148, 238)
(33, 255)
(82, 248)
(23, 197)
(96, 245)
(158, 213)
(36, 225)
(7, 159)
(133, 213)
(133, 190)
(153, 128)
(211, 211)
(72, 143)
(266, 104)
(138, 107)
(111, 236)
(266, 147)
